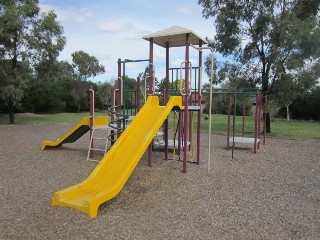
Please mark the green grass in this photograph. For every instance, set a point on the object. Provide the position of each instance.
(44, 118)
(293, 129)
(305, 130)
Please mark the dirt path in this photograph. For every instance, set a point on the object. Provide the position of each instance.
(274, 194)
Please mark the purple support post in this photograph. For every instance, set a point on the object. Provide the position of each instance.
(243, 113)
(186, 87)
(138, 96)
(91, 107)
(150, 92)
(199, 103)
(166, 99)
(229, 110)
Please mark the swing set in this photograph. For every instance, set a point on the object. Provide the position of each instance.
(258, 102)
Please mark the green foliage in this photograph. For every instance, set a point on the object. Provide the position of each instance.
(46, 97)
(26, 39)
(85, 66)
(268, 38)
(220, 105)
(103, 95)
(307, 106)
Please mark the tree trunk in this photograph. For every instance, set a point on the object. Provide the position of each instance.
(79, 108)
(11, 112)
(265, 91)
(268, 127)
(288, 114)
(14, 62)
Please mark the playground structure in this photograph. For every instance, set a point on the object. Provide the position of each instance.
(188, 86)
(112, 172)
(130, 141)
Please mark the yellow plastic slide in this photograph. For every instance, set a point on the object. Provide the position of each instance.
(113, 171)
(76, 132)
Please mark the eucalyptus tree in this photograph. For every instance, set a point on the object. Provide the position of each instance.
(26, 39)
(281, 37)
(84, 66)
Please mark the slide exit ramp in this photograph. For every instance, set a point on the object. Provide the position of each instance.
(113, 171)
(76, 132)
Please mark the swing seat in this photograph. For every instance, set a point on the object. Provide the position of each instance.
(243, 140)
(171, 143)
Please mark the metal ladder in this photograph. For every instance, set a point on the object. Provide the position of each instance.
(104, 128)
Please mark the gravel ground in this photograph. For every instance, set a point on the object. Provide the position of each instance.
(274, 194)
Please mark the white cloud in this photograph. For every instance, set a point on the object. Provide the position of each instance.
(184, 10)
(109, 30)
(110, 27)
(69, 14)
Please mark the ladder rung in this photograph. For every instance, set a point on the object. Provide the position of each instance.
(97, 149)
(99, 138)
(93, 160)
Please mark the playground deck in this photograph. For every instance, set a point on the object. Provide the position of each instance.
(273, 194)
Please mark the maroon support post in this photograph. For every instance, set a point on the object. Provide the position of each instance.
(150, 92)
(199, 103)
(186, 87)
(166, 99)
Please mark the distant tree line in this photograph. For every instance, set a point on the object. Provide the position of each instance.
(31, 77)
(305, 106)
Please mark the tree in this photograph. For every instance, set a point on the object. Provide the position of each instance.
(85, 66)
(285, 91)
(26, 38)
(104, 94)
(280, 36)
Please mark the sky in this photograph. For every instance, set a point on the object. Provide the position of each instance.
(112, 29)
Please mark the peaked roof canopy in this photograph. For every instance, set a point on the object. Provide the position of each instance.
(175, 36)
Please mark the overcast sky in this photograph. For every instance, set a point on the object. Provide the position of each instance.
(112, 29)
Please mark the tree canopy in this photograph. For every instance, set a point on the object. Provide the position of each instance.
(273, 38)
(27, 39)
(85, 65)
(280, 36)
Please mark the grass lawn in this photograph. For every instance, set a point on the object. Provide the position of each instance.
(304, 130)
(44, 118)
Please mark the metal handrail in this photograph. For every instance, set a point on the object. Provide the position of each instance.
(182, 87)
